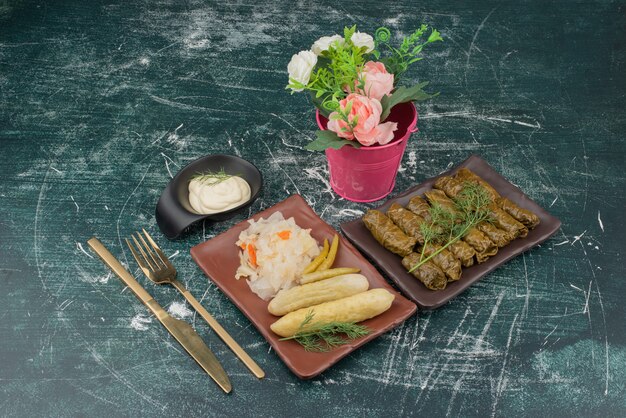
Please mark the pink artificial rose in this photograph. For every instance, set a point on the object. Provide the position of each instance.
(377, 81)
(368, 129)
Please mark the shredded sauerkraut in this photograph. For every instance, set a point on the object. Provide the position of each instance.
(274, 252)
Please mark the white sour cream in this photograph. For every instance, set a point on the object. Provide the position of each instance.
(211, 195)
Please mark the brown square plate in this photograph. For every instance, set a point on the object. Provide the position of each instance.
(219, 259)
(391, 264)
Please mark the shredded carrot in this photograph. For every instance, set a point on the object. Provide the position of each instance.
(284, 234)
(252, 255)
(243, 246)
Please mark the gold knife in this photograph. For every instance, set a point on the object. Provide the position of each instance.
(184, 334)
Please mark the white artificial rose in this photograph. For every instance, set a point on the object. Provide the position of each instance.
(323, 43)
(300, 67)
(363, 40)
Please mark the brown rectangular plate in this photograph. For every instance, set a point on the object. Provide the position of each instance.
(219, 259)
(391, 264)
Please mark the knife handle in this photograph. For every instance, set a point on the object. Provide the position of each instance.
(110, 260)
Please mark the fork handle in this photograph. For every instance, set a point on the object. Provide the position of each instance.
(220, 331)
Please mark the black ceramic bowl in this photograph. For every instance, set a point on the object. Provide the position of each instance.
(174, 213)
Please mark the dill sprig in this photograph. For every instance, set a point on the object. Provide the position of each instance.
(448, 225)
(214, 176)
(322, 337)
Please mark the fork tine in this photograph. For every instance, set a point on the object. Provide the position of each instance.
(162, 256)
(139, 260)
(151, 265)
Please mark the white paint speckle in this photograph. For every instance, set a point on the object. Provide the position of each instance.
(139, 322)
(179, 310)
(104, 279)
(350, 212)
(496, 118)
(554, 201)
(392, 21)
(321, 174)
(600, 222)
(412, 160)
(196, 40)
(80, 247)
(77, 207)
(578, 237)
(144, 61)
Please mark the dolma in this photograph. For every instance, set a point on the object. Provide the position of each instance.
(484, 247)
(407, 221)
(387, 233)
(438, 197)
(528, 218)
(449, 185)
(418, 206)
(506, 222)
(444, 260)
(495, 234)
(452, 186)
(484, 256)
(428, 273)
(481, 243)
(465, 174)
(463, 251)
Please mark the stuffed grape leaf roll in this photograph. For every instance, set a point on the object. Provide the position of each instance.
(387, 233)
(428, 273)
(407, 221)
(495, 234)
(449, 185)
(506, 222)
(438, 198)
(464, 252)
(419, 206)
(528, 218)
(444, 260)
(465, 174)
(484, 247)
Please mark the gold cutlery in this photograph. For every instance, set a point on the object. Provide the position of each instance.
(160, 270)
(183, 332)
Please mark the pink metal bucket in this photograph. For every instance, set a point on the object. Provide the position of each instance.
(367, 174)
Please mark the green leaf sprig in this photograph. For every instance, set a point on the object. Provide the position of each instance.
(329, 139)
(401, 58)
(402, 95)
(215, 177)
(447, 225)
(322, 337)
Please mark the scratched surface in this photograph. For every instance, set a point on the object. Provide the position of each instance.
(101, 102)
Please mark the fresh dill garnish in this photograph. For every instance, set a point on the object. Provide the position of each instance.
(448, 225)
(322, 337)
(214, 176)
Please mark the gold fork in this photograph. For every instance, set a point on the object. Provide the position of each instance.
(155, 264)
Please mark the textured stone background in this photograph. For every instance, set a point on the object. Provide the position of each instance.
(101, 102)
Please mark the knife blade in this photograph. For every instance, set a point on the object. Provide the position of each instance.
(180, 330)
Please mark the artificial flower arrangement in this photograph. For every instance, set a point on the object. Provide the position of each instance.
(353, 82)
